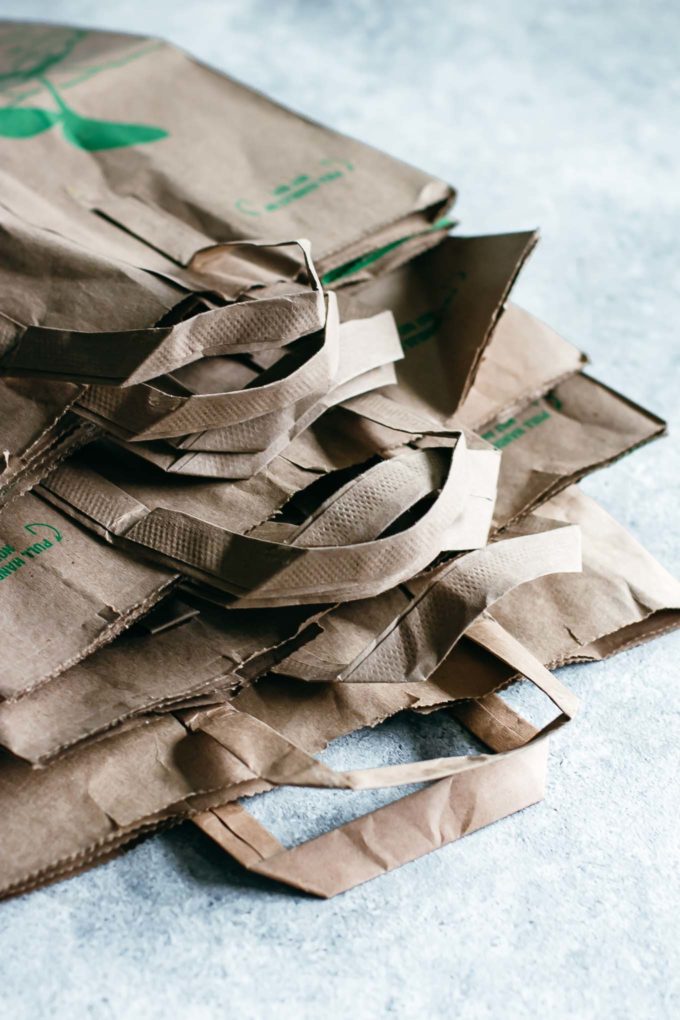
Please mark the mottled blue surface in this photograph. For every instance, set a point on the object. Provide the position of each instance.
(558, 115)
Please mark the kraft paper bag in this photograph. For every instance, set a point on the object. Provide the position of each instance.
(86, 804)
(63, 593)
(304, 463)
(201, 160)
(188, 764)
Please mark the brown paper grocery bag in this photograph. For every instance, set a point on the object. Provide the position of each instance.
(204, 160)
(303, 715)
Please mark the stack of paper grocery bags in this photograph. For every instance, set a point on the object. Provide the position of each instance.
(280, 459)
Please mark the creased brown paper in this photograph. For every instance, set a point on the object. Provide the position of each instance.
(63, 593)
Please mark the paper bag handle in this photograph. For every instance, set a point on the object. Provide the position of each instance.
(260, 572)
(244, 418)
(126, 357)
(468, 798)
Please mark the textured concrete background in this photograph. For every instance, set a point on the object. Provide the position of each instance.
(562, 115)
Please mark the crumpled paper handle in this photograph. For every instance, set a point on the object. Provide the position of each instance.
(444, 602)
(126, 357)
(472, 791)
(248, 418)
(261, 572)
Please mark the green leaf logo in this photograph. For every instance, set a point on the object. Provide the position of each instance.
(25, 121)
(83, 132)
(94, 135)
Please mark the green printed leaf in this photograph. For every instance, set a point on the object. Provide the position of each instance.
(25, 121)
(94, 135)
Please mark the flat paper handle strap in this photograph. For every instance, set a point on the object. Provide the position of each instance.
(265, 573)
(368, 504)
(387, 838)
(126, 357)
(469, 797)
(145, 412)
(446, 601)
(248, 418)
(237, 464)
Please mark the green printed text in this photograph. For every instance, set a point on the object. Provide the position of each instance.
(506, 432)
(13, 558)
(300, 186)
